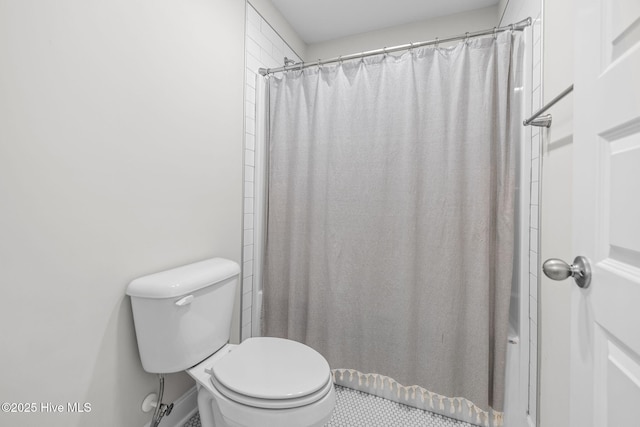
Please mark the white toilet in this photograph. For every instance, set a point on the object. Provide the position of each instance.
(182, 318)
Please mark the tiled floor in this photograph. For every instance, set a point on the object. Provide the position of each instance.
(357, 409)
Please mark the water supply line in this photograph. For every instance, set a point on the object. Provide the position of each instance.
(162, 409)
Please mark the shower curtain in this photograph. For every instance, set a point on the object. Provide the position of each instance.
(390, 219)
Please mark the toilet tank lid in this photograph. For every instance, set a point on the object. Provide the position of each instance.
(183, 280)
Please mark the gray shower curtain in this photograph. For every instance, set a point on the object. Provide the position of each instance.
(390, 223)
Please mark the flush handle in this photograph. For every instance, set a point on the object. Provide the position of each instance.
(580, 270)
(184, 301)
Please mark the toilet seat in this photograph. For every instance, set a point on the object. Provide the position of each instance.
(272, 373)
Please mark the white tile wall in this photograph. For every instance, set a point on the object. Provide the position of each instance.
(534, 217)
(264, 48)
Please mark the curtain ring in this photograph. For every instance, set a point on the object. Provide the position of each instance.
(437, 42)
(340, 59)
(495, 33)
(511, 27)
(466, 37)
(384, 52)
(318, 64)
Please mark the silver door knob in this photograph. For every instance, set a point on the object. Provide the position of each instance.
(580, 270)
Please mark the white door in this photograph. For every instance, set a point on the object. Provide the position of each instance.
(605, 318)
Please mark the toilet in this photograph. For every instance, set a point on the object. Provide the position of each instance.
(182, 320)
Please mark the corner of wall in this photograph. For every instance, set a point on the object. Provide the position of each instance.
(272, 16)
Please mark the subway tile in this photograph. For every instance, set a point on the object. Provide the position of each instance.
(247, 252)
(536, 56)
(247, 284)
(250, 107)
(248, 189)
(249, 158)
(253, 63)
(535, 169)
(278, 55)
(248, 173)
(247, 268)
(533, 309)
(250, 96)
(248, 205)
(248, 237)
(535, 146)
(537, 72)
(251, 78)
(246, 316)
(250, 141)
(533, 218)
(533, 242)
(246, 331)
(533, 263)
(533, 286)
(533, 235)
(252, 47)
(269, 60)
(535, 100)
(248, 221)
(253, 32)
(253, 16)
(533, 378)
(247, 299)
(533, 338)
(534, 193)
(250, 125)
(271, 35)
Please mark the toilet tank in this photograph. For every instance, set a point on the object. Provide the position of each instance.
(183, 315)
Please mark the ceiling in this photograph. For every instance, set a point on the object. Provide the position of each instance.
(321, 20)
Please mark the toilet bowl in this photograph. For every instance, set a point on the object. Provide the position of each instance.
(182, 319)
(264, 382)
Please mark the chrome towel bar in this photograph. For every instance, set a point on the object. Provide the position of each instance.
(537, 120)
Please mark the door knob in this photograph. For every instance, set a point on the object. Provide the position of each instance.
(580, 270)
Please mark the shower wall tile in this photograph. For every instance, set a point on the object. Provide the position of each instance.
(249, 158)
(250, 141)
(533, 263)
(264, 48)
(248, 207)
(535, 169)
(536, 85)
(248, 237)
(248, 252)
(533, 286)
(533, 245)
(533, 310)
(534, 193)
(248, 173)
(535, 147)
(248, 221)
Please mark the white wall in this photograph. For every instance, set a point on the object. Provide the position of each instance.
(120, 155)
(449, 25)
(556, 215)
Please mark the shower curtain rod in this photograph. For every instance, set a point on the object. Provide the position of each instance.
(518, 26)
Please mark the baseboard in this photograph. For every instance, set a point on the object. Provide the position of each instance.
(184, 408)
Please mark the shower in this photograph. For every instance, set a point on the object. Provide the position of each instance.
(391, 223)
